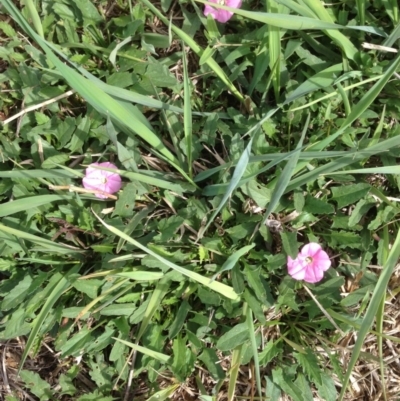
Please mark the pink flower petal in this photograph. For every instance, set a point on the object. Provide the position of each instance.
(101, 180)
(310, 249)
(322, 260)
(219, 14)
(310, 264)
(296, 268)
(233, 3)
(313, 275)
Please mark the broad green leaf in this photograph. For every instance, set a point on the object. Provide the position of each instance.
(287, 385)
(349, 194)
(182, 359)
(212, 363)
(304, 386)
(39, 387)
(289, 243)
(327, 390)
(321, 80)
(232, 260)
(310, 365)
(317, 206)
(234, 337)
(179, 320)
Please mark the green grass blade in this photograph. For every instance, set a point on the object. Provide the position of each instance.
(187, 115)
(317, 8)
(395, 35)
(236, 177)
(376, 170)
(236, 358)
(284, 179)
(164, 394)
(45, 243)
(145, 351)
(361, 11)
(379, 292)
(50, 174)
(380, 315)
(55, 294)
(221, 288)
(274, 38)
(335, 165)
(197, 49)
(24, 204)
(372, 94)
(155, 301)
(254, 347)
(33, 13)
(356, 112)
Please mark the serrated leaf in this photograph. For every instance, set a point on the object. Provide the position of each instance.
(299, 201)
(304, 386)
(349, 194)
(182, 360)
(359, 211)
(273, 392)
(327, 390)
(168, 227)
(36, 385)
(286, 384)
(346, 238)
(8, 29)
(309, 363)
(317, 206)
(89, 287)
(66, 381)
(254, 305)
(270, 351)
(233, 259)
(212, 363)
(54, 161)
(289, 243)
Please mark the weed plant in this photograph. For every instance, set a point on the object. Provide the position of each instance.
(238, 144)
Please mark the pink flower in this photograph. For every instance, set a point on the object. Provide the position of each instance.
(101, 180)
(218, 13)
(310, 263)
